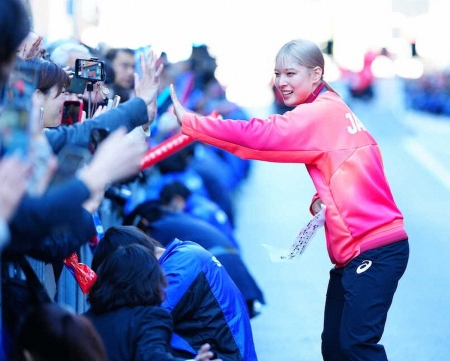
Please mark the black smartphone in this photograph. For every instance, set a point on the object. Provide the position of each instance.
(77, 85)
(90, 69)
(15, 118)
(72, 112)
(70, 159)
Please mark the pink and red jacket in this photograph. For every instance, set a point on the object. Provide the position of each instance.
(342, 158)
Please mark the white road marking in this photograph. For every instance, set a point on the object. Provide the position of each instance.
(428, 161)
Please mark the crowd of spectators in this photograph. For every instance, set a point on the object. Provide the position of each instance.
(430, 93)
(159, 240)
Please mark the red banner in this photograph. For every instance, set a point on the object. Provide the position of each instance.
(169, 147)
(165, 149)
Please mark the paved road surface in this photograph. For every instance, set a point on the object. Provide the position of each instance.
(273, 205)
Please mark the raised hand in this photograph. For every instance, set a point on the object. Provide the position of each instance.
(178, 109)
(30, 50)
(146, 87)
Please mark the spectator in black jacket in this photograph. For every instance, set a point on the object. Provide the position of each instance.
(122, 65)
(125, 307)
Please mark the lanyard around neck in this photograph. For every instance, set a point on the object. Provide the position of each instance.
(315, 93)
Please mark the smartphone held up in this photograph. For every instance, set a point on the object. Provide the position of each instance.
(90, 69)
(72, 112)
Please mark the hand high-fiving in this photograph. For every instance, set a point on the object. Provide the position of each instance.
(146, 87)
(178, 109)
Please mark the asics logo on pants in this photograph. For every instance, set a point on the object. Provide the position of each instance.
(365, 265)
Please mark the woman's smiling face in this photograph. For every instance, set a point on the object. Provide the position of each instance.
(294, 81)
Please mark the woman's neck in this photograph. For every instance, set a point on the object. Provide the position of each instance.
(315, 92)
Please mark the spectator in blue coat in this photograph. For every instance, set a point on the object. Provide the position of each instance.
(164, 225)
